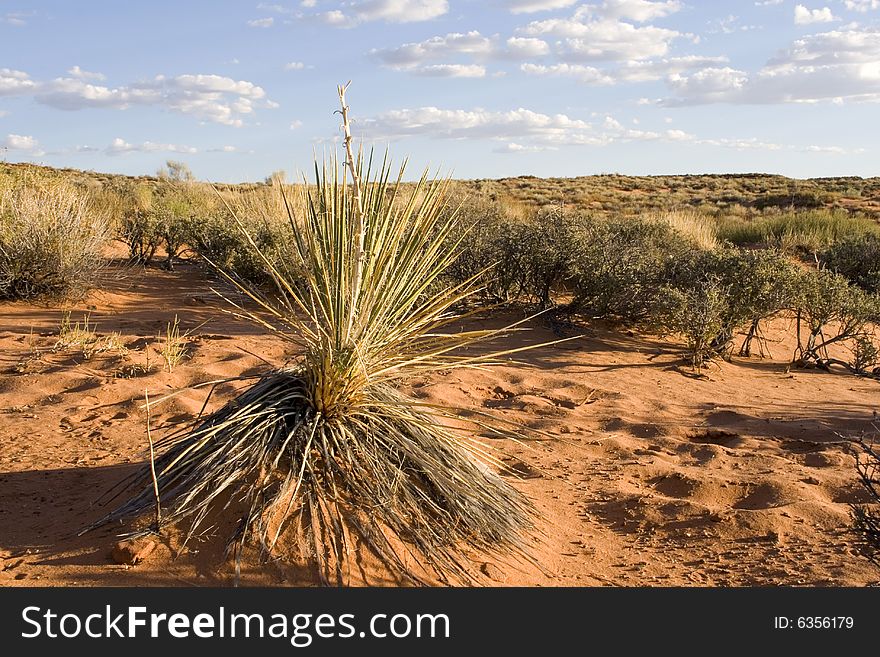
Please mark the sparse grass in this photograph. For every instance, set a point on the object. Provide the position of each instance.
(174, 345)
(83, 337)
(809, 231)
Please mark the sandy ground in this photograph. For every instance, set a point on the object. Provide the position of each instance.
(652, 477)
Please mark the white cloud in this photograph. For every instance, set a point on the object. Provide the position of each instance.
(639, 10)
(211, 98)
(521, 47)
(400, 11)
(307, 3)
(524, 131)
(768, 3)
(14, 82)
(862, 6)
(513, 147)
(295, 124)
(804, 16)
(451, 71)
(413, 57)
(353, 13)
(294, 66)
(15, 18)
(261, 22)
(24, 143)
(531, 6)
(3, 113)
(80, 74)
(587, 37)
(631, 71)
(580, 72)
(834, 66)
(438, 47)
(119, 147)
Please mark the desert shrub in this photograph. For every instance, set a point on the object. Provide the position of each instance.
(51, 241)
(698, 313)
(708, 296)
(866, 516)
(798, 199)
(138, 224)
(857, 258)
(175, 171)
(832, 311)
(618, 266)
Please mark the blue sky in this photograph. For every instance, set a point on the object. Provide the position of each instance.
(481, 88)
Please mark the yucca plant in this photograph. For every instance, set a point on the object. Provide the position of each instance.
(328, 451)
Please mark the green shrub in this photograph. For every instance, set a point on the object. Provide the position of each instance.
(857, 258)
(698, 313)
(51, 241)
(834, 312)
(618, 266)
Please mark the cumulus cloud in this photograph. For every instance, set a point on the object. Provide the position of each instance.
(80, 74)
(120, 147)
(524, 131)
(14, 82)
(580, 72)
(418, 57)
(25, 143)
(804, 16)
(522, 47)
(833, 66)
(261, 22)
(632, 71)
(353, 13)
(592, 34)
(639, 10)
(531, 6)
(862, 6)
(451, 71)
(438, 47)
(211, 98)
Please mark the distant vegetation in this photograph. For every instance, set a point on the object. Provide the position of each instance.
(708, 258)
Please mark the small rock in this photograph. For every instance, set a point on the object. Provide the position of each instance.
(131, 553)
(493, 572)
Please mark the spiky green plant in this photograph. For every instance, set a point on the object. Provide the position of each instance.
(328, 451)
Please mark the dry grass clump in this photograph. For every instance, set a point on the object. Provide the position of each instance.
(51, 241)
(174, 345)
(327, 451)
(692, 226)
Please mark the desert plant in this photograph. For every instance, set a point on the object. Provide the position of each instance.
(327, 450)
(51, 241)
(176, 171)
(857, 258)
(698, 313)
(138, 225)
(618, 266)
(174, 345)
(692, 226)
(834, 312)
(866, 516)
